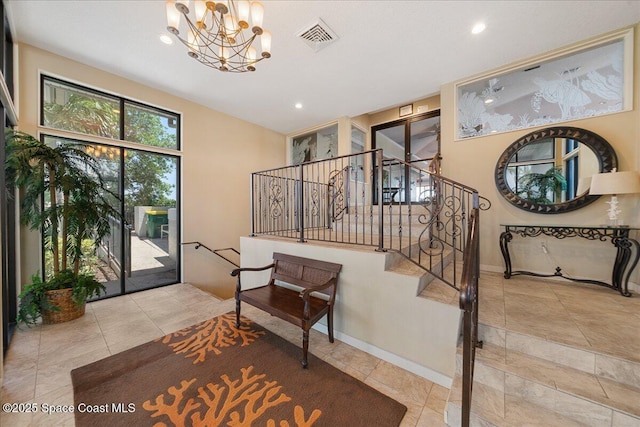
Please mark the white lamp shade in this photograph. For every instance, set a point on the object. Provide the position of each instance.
(257, 14)
(201, 10)
(583, 186)
(173, 16)
(627, 182)
(265, 40)
(244, 9)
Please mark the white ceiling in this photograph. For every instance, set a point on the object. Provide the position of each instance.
(388, 53)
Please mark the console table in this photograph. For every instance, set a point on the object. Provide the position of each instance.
(628, 249)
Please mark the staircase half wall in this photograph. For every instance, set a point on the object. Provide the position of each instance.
(377, 310)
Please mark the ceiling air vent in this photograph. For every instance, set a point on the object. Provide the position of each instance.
(317, 35)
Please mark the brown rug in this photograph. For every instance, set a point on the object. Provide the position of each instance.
(214, 374)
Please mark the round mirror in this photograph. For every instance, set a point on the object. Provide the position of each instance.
(549, 170)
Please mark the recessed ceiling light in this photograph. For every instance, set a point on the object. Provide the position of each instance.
(166, 39)
(478, 28)
(298, 105)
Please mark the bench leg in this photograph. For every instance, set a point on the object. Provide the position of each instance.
(237, 313)
(330, 324)
(305, 347)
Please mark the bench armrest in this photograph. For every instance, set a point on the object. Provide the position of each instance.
(306, 291)
(304, 294)
(237, 272)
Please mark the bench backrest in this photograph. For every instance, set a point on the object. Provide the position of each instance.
(304, 272)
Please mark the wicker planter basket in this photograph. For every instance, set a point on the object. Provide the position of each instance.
(69, 310)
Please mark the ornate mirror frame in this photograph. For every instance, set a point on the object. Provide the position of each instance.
(607, 160)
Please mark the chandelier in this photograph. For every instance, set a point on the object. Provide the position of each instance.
(218, 34)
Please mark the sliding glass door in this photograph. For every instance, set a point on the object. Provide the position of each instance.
(141, 250)
(150, 206)
(137, 148)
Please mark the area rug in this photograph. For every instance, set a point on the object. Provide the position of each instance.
(214, 374)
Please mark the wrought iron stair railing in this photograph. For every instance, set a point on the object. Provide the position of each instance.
(390, 204)
(365, 199)
(469, 307)
(218, 252)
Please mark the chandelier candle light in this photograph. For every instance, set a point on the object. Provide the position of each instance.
(219, 35)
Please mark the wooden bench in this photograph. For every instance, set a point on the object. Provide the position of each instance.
(299, 306)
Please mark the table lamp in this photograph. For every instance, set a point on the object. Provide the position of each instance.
(614, 183)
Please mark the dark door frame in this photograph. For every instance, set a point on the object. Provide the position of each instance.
(407, 145)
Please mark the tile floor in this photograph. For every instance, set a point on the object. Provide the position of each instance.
(39, 359)
(590, 317)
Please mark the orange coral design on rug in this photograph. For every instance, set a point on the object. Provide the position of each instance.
(235, 402)
(210, 336)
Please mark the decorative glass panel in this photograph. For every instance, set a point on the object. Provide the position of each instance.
(586, 83)
(321, 144)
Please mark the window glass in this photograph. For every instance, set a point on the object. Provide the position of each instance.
(537, 151)
(150, 126)
(69, 108)
(73, 108)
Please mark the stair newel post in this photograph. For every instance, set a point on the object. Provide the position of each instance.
(253, 211)
(476, 210)
(300, 203)
(380, 184)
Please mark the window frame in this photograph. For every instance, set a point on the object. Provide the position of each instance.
(122, 102)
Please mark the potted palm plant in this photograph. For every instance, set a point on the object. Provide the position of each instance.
(536, 187)
(76, 209)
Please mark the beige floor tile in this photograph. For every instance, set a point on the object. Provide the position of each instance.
(61, 349)
(413, 387)
(355, 358)
(19, 385)
(430, 418)
(39, 360)
(437, 399)
(413, 409)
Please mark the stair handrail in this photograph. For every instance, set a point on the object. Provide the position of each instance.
(469, 306)
(446, 219)
(214, 251)
(434, 165)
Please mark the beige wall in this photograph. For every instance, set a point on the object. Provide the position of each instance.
(428, 104)
(368, 298)
(218, 154)
(473, 162)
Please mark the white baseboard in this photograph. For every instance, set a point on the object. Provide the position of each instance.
(394, 359)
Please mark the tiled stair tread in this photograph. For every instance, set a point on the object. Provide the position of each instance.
(406, 267)
(580, 357)
(491, 407)
(603, 391)
(439, 291)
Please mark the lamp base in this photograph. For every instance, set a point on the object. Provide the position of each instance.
(615, 219)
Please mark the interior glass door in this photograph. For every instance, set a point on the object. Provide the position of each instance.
(415, 140)
(392, 141)
(423, 146)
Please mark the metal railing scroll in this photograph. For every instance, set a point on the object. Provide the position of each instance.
(365, 199)
(390, 204)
